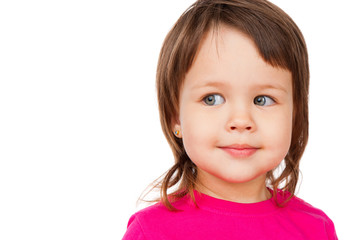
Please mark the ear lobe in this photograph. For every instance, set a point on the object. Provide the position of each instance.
(177, 130)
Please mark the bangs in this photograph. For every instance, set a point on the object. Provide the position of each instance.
(273, 37)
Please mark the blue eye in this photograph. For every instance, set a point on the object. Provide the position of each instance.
(213, 99)
(263, 101)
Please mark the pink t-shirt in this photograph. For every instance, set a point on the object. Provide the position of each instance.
(219, 219)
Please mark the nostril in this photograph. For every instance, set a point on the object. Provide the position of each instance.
(247, 128)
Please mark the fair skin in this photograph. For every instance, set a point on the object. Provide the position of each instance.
(235, 117)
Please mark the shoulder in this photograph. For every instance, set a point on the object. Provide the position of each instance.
(299, 205)
(139, 221)
(155, 220)
(155, 211)
(312, 216)
(160, 211)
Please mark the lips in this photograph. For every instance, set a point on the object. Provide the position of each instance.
(240, 151)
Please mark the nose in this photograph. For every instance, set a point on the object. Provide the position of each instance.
(241, 121)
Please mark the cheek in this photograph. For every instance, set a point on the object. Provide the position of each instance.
(279, 135)
(193, 141)
(194, 131)
(198, 133)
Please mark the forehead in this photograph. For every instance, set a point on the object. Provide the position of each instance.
(228, 54)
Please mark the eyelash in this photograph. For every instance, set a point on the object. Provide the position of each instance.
(212, 94)
(203, 99)
(264, 96)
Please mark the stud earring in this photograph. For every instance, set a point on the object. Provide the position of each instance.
(177, 132)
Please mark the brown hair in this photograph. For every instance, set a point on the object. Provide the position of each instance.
(279, 42)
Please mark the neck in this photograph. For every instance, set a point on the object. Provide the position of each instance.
(246, 192)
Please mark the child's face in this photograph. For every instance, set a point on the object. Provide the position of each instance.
(236, 110)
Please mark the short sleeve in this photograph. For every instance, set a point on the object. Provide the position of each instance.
(134, 230)
(330, 228)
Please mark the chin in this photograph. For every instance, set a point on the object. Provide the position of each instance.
(237, 179)
(242, 178)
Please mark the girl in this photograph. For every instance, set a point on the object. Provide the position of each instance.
(232, 83)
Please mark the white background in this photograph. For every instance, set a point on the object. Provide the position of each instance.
(80, 137)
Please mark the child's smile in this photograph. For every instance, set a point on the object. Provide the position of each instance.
(240, 151)
(235, 111)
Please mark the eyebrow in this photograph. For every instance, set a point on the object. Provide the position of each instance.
(210, 84)
(270, 86)
(222, 84)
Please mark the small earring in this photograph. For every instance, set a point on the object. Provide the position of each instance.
(177, 132)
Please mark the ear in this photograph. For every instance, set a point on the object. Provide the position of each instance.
(176, 128)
